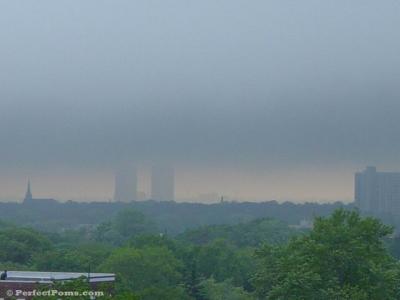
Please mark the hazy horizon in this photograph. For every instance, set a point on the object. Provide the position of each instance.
(200, 185)
(255, 100)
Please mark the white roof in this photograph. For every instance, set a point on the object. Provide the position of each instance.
(51, 276)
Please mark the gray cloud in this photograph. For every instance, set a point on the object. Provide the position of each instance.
(235, 82)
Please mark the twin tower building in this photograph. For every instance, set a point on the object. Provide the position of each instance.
(162, 184)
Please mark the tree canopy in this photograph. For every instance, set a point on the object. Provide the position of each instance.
(343, 257)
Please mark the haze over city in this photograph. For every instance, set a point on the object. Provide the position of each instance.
(276, 100)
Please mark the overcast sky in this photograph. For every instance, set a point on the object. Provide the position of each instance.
(253, 99)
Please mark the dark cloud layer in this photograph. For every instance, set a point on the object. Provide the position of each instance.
(247, 83)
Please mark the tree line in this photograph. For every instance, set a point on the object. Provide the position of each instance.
(344, 256)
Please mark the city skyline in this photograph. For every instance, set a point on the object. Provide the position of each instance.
(260, 188)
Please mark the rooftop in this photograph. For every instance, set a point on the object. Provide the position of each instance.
(46, 277)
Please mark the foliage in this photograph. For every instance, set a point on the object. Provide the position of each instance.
(126, 225)
(18, 245)
(342, 258)
(223, 261)
(148, 272)
(170, 217)
(72, 259)
(212, 290)
(250, 234)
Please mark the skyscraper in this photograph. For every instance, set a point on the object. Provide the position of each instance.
(162, 183)
(28, 194)
(377, 191)
(125, 184)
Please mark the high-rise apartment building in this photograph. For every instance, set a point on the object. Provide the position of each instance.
(162, 183)
(125, 184)
(377, 191)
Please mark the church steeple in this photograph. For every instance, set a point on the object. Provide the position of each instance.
(28, 195)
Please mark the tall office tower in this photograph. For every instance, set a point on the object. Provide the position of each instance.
(163, 183)
(28, 194)
(125, 184)
(377, 191)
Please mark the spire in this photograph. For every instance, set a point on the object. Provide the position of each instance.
(28, 195)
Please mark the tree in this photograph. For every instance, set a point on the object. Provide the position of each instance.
(61, 260)
(17, 245)
(126, 225)
(131, 223)
(212, 290)
(221, 260)
(249, 234)
(149, 272)
(343, 257)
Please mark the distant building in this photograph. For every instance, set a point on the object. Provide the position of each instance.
(125, 184)
(30, 200)
(163, 184)
(28, 194)
(377, 191)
